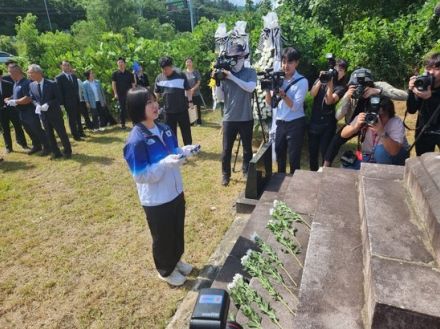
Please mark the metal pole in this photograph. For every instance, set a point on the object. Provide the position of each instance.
(48, 17)
(191, 14)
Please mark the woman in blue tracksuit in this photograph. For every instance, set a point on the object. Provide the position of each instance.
(154, 159)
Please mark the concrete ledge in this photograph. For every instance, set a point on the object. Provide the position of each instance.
(422, 178)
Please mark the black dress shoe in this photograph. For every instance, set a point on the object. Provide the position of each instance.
(82, 135)
(44, 152)
(78, 139)
(56, 156)
(34, 150)
(225, 180)
(24, 147)
(8, 150)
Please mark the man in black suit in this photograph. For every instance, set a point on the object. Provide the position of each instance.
(9, 114)
(21, 101)
(122, 81)
(46, 97)
(68, 85)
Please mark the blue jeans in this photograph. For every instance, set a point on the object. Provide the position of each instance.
(382, 156)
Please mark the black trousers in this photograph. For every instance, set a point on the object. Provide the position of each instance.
(288, 141)
(230, 131)
(10, 115)
(74, 117)
(122, 105)
(335, 145)
(85, 113)
(172, 119)
(53, 121)
(32, 126)
(166, 223)
(197, 100)
(427, 143)
(320, 137)
(99, 119)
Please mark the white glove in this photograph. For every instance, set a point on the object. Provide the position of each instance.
(38, 109)
(173, 160)
(44, 107)
(11, 102)
(190, 150)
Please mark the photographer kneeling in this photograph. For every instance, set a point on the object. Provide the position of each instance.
(381, 134)
(424, 97)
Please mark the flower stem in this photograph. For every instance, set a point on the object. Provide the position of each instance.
(285, 305)
(290, 291)
(297, 260)
(290, 277)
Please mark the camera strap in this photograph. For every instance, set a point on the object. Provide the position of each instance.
(292, 83)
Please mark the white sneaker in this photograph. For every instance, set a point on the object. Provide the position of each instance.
(95, 130)
(184, 268)
(175, 278)
(102, 129)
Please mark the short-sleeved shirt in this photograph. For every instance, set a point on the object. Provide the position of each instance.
(238, 101)
(21, 89)
(395, 130)
(193, 77)
(173, 88)
(297, 93)
(322, 112)
(124, 81)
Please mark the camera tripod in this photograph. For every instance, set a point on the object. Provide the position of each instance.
(260, 122)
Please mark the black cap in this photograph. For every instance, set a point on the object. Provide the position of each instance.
(363, 73)
(236, 50)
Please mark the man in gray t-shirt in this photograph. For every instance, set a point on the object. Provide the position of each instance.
(237, 88)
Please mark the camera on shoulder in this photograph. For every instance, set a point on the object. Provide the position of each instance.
(331, 73)
(272, 81)
(424, 81)
(223, 62)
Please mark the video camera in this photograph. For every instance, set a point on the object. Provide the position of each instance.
(361, 78)
(223, 62)
(372, 113)
(423, 81)
(211, 311)
(272, 81)
(332, 73)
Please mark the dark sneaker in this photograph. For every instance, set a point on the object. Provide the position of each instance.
(225, 180)
(44, 152)
(34, 150)
(56, 156)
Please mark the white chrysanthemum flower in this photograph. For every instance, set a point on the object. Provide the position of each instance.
(237, 277)
(244, 259)
(275, 203)
(271, 211)
(249, 252)
(255, 237)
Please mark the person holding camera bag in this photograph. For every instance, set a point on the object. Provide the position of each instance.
(326, 92)
(154, 159)
(381, 135)
(361, 87)
(290, 117)
(236, 88)
(424, 98)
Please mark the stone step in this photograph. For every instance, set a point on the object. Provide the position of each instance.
(402, 282)
(422, 178)
(331, 292)
(300, 193)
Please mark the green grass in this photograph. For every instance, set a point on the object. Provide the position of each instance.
(75, 250)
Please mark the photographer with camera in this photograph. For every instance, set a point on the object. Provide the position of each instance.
(356, 100)
(327, 91)
(236, 85)
(381, 134)
(290, 117)
(424, 98)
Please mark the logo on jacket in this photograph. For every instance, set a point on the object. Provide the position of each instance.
(168, 133)
(151, 141)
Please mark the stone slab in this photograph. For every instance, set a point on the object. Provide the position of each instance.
(374, 170)
(422, 180)
(390, 227)
(331, 293)
(403, 295)
(244, 205)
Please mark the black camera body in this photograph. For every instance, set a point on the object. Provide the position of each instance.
(361, 81)
(424, 81)
(223, 62)
(272, 81)
(332, 73)
(372, 113)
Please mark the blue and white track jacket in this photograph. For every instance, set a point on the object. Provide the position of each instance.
(156, 184)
